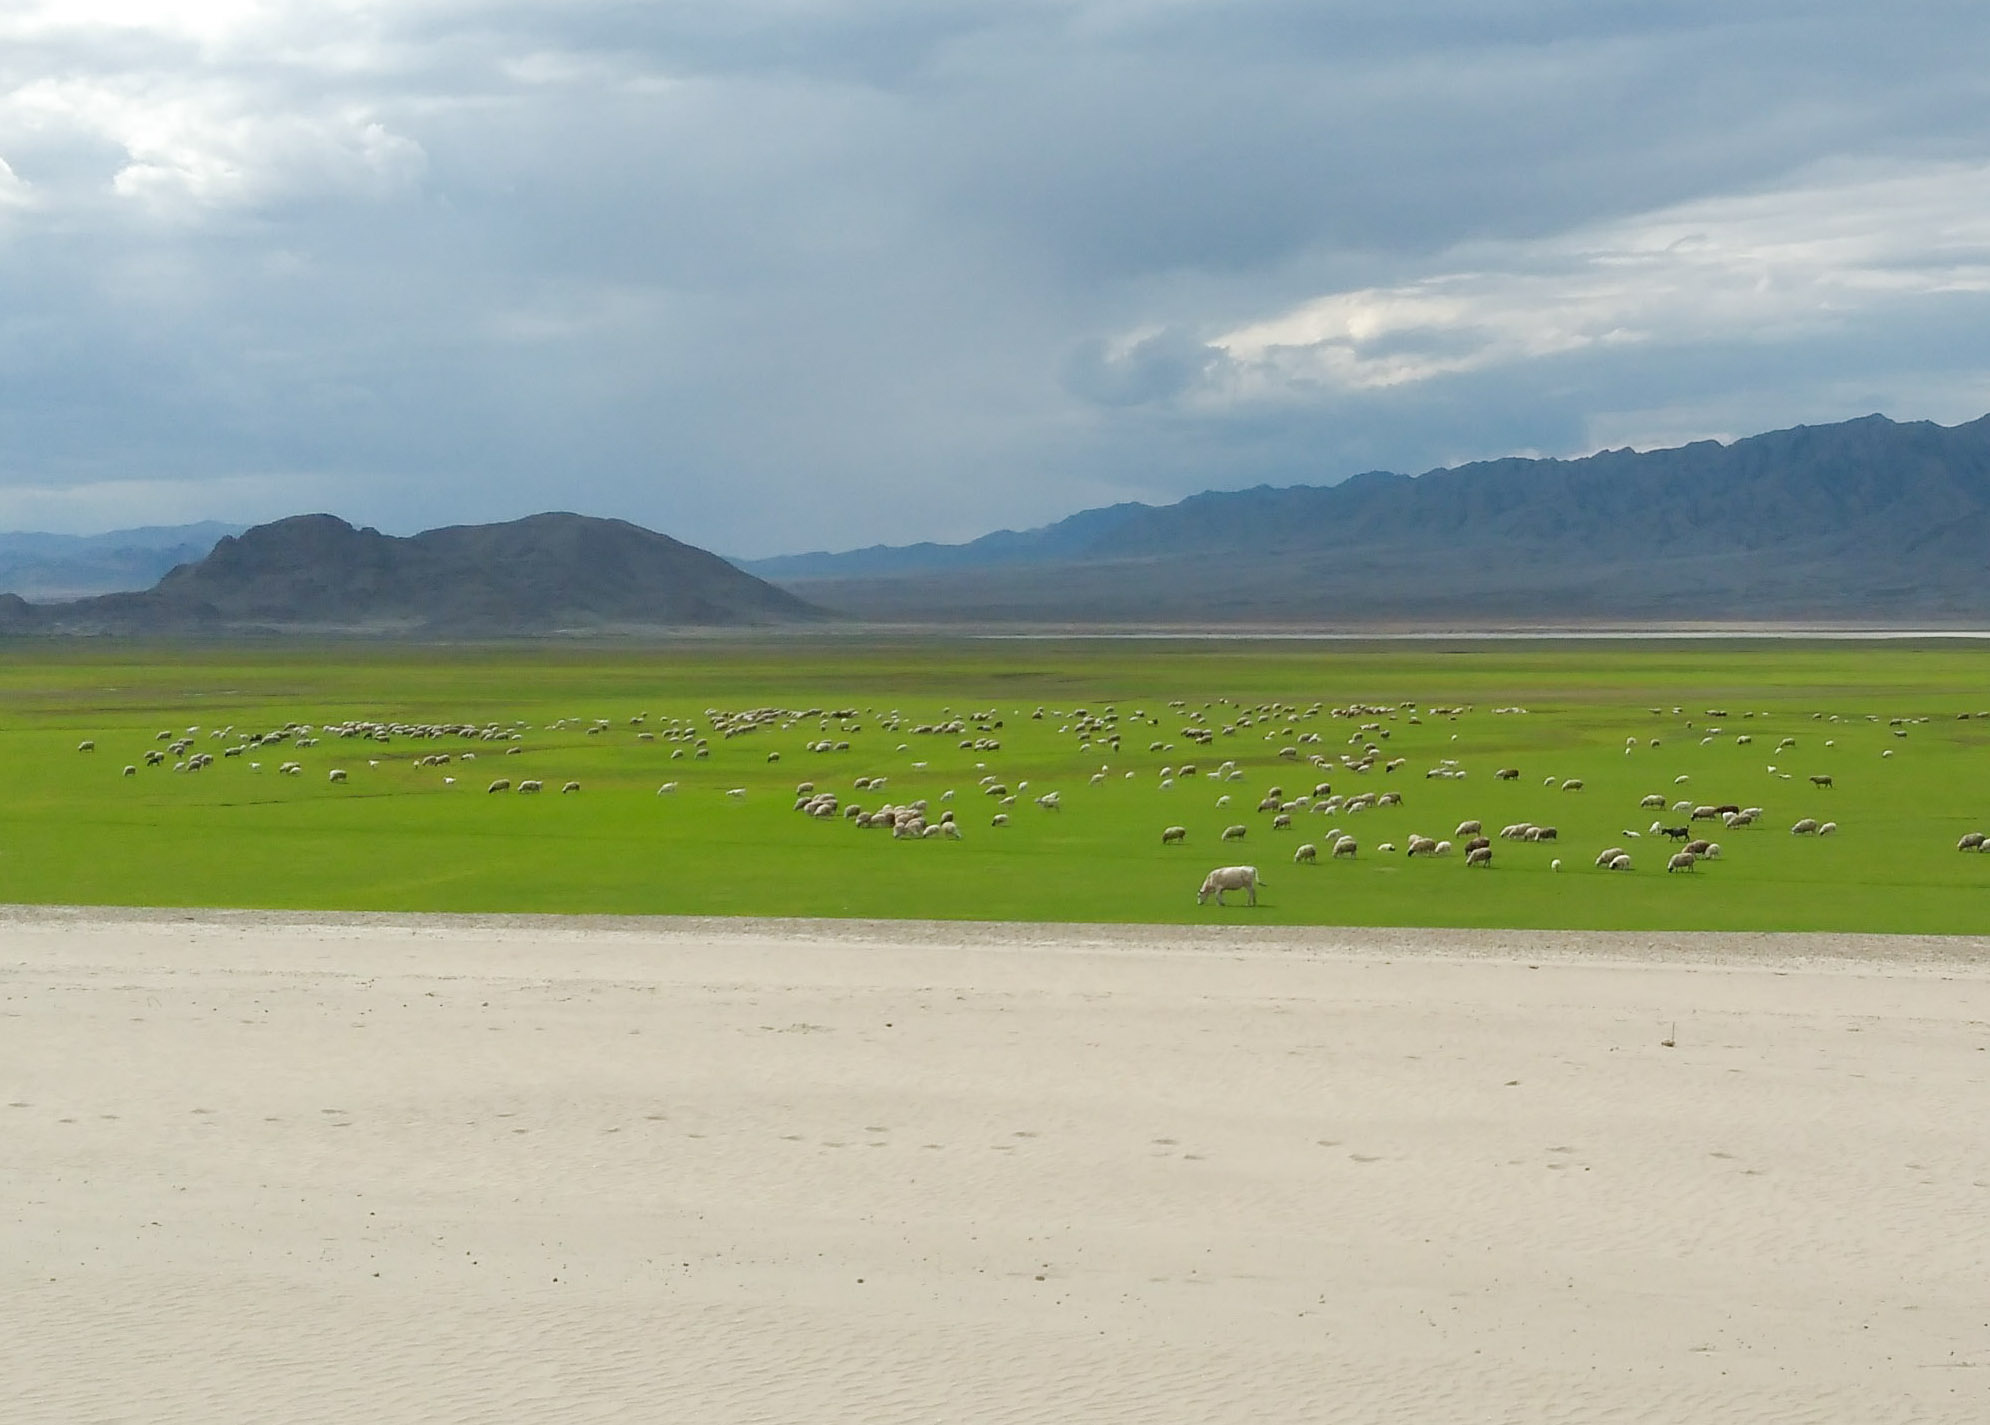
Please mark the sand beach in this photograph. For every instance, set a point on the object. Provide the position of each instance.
(292, 1168)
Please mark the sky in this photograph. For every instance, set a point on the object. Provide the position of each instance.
(783, 275)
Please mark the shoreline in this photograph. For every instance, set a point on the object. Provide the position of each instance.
(1738, 948)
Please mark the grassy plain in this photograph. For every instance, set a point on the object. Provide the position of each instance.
(74, 830)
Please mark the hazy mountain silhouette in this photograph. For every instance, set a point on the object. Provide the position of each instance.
(75, 566)
(548, 573)
(1866, 520)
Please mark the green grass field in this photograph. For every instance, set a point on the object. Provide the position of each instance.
(74, 830)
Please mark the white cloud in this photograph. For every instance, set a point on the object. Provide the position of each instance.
(190, 145)
(1766, 267)
(13, 192)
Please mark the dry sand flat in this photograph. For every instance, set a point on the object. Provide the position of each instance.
(284, 1169)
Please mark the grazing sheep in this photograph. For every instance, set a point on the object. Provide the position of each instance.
(1697, 848)
(1235, 833)
(1443, 848)
(1556, 864)
(1481, 857)
(1542, 833)
(1620, 863)
(337, 774)
(1971, 841)
(575, 786)
(531, 785)
(1507, 774)
(1468, 828)
(1605, 857)
(1173, 834)
(1229, 878)
(1656, 799)
(86, 745)
(1001, 818)
(1477, 843)
(1677, 833)
(1821, 781)
(1281, 822)
(738, 794)
(1422, 845)
(130, 771)
(1307, 852)
(1573, 784)
(668, 789)
(1827, 829)
(1346, 847)
(1806, 827)
(1680, 861)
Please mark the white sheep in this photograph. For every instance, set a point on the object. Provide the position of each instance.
(1175, 833)
(1307, 852)
(668, 789)
(1235, 833)
(337, 774)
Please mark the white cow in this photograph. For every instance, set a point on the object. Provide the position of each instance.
(1229, 878)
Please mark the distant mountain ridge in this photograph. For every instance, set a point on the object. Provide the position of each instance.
(1868, 519)
(46, 567)
(544, 574)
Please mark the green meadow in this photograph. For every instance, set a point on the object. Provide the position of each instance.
(1627, 719)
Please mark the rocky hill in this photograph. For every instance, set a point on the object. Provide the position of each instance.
(546, 574)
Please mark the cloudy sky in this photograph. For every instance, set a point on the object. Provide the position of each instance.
(775, 275)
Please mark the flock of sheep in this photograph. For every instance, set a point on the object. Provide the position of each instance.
(1296, 734)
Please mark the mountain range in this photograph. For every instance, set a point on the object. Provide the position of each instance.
(1867, 520)
(547, 574)
(47, 567)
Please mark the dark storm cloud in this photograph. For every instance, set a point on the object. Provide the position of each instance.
(784, 275)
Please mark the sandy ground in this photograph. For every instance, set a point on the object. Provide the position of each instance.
(341, 1169)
